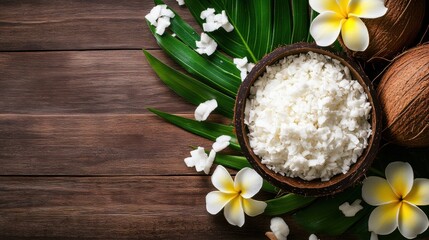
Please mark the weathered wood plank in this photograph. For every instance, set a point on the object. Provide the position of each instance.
(94, 145)
(83, 82)
(119, 208)
(115, 208)
(61, 24)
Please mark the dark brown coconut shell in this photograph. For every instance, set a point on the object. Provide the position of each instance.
(297, 185)
(404, 97)
(393, 32)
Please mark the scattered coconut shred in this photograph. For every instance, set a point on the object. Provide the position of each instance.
(307, 118)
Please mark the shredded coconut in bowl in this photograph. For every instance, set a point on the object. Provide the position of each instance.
(307, 117)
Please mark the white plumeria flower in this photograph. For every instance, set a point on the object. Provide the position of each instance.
(344, 16)
(203, 110)
(279, 227)
(200, 160)
(221, 143)
(397, 199)
(181, 2)
(235, 196)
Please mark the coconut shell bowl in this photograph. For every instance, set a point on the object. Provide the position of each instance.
(297, 185)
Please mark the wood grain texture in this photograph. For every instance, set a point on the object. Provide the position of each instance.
(94, 145)
(64, 25)
(114, 208)
(84, 82)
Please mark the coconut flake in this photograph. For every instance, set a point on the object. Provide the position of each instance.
(206, 45)
(200, 160)
(351, 210)
(244, 66)
(306, 119)
(221, 143)
(279, 228)
(204, 109)
(160, 17)
(313, 237)
(215, 21)
(181, 2)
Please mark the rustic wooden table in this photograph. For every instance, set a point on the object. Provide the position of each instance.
(80, 156)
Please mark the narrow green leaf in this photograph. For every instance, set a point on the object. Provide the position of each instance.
(287, 203)
(207, 130)
(234, 162)
(189, 88)
(324, 216)
(230, 42)
(196, 64)
(189, 36)
(259, 38)
(300, 14)
(313, 15)
(282, 24)
(239, 162)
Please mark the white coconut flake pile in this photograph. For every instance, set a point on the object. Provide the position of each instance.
(203, 110)
(221, 143)
(351, 210)
(200, 160)
(181, 2)
(313, 237)
(206, 45)
(279, 228)
(159, 17)
(215, 21)
(307, 118)
(244, 66)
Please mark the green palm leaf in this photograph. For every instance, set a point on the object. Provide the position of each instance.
(207, 130)
(197, 65)
(190, 88)
(282, 24)
(287, 203)
(301, 20)
(320, 216)
(230, 42)
(189, 36)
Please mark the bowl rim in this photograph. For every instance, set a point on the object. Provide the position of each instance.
(297, 185)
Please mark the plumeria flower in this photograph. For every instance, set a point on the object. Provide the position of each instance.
(397, 199)
(235, 196)
(344, 16)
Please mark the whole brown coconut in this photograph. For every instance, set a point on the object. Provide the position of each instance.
(391, 33)
(404, 98)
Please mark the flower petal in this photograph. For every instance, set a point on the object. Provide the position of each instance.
(216, 200)
(222, 180)
(400, 176)
(384, 219)
(355, 34)
(419, 194)
(367, 8)
(321, 6)
(344, 6)
(253, 207)
(234, 213)
(326, 27)
(377, 191)
(412, 220)
(248, 182)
